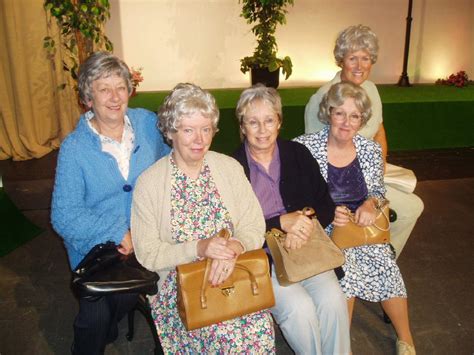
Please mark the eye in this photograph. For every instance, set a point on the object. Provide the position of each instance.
(355, 117)
(187, 130)
(207, 130)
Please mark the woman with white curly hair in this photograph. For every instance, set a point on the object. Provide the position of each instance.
(355, 51)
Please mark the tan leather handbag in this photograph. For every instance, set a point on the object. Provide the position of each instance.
(247, 290)
(318, 255)
(353, 235)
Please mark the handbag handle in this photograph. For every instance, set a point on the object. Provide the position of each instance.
(378, 207)
(224, 233)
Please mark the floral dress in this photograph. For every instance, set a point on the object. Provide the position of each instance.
(197, 212)
(371, 272)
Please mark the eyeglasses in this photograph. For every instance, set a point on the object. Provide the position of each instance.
(340, 116)
(268, 123)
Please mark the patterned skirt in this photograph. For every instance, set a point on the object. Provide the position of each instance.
(372, 274)
(249, 334)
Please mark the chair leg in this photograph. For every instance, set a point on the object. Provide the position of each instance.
(131, 323)
(144, 308)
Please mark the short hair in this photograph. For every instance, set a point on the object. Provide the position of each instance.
(337, 94)
(258, 92)
(356, 38)
(186, 99)
(100, 65)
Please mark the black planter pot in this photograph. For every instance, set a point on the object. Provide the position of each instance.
(266, 77)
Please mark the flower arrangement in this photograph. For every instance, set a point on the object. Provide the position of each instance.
(136, 76)
(459, 80)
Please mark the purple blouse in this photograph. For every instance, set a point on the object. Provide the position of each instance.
(347, 185)
(267, 185)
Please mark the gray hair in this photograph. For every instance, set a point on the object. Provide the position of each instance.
(258, 92)
(337, 94)
(184, 100)
(100, 65)
(356, 38)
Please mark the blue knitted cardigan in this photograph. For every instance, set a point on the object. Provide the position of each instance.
(91, 199)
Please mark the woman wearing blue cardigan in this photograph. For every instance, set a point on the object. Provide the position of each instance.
(98, 165)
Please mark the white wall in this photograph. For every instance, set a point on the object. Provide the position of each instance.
(202, 41)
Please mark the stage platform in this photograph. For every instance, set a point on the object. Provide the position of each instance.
(416, 118)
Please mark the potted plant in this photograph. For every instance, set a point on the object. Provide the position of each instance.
(81, 28)
(264, 65)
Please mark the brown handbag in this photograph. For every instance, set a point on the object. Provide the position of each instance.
(353, 235)
(318, 255)
(248, 289)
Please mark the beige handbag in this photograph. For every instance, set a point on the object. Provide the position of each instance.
(248, 289)
(318, 255)
(353, 235)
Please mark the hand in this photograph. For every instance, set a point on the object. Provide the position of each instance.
(298, 224)
(366, 213)
(293, 242)
(126, 246)
(221, 270)
(216, 248)
(341, 216)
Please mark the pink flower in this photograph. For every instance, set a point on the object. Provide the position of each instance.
(136, 76)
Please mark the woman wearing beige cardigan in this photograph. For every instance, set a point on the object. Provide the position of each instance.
(179, 205)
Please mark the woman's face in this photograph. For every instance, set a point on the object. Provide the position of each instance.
(261, 126)
(345, 121)
(356, 67)
(192, 139)
(109, 99)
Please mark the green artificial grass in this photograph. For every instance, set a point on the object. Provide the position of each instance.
(420, 117)
(16, 229)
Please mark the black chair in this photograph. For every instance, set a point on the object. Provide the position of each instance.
(144, 307)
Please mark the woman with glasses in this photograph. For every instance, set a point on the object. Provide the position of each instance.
(353, 168)
(355, 52)
(312, 314)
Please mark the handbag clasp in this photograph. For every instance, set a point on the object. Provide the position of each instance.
(227, 291)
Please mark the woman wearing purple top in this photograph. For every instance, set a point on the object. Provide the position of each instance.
(353, 168)
(312, 314)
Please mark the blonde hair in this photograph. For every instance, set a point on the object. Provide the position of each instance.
(337, 94)
(356, 38)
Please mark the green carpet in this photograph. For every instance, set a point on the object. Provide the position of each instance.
(424, 116)
(16, 229)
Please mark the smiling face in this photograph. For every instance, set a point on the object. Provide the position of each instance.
(192, 140)
(356, 67)
(261, 126)
(345, 121)
(109, 99)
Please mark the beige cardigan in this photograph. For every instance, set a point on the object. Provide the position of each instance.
(150, 220)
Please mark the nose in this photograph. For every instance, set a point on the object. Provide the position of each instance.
(115, 95)
(198, 137)
(261, 127)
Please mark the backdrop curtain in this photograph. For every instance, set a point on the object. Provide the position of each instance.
(34, 115)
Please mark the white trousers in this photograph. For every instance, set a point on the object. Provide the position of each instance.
(312, 315)
(408, 207)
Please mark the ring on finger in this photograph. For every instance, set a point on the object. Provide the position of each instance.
(301, 229)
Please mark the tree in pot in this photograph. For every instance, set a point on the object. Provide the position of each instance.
(81, 31)
(264, 65)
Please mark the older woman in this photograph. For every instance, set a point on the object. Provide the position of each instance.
(285, 177)
(353, 167)
(356, 50)
(179, 204)
(98, 165)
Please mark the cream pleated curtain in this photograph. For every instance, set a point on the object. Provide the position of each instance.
(34, 115)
